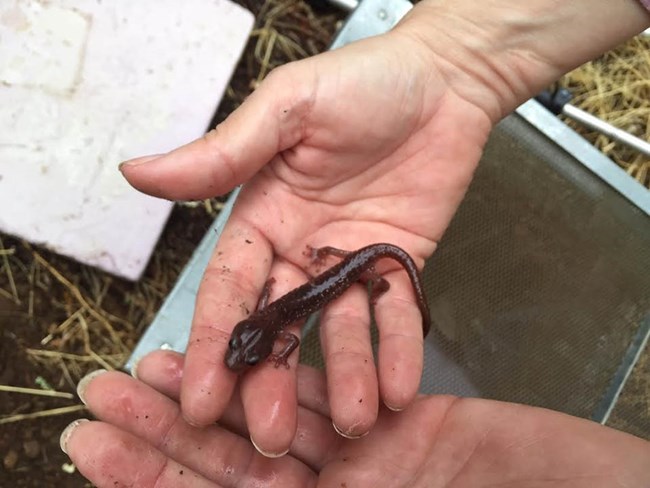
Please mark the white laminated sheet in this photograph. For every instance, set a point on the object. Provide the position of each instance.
(86, 84)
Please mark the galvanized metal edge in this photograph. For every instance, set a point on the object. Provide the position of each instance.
(634, 350)
(584, 152)
(371, 18)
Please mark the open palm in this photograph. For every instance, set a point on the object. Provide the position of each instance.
(323, 167)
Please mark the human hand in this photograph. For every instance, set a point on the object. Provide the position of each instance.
(360, 145)
(142, 440)
(373, 142)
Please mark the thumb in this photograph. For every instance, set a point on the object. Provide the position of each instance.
(268, 122)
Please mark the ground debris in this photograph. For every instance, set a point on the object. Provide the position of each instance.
(616, 88)
(10, 460)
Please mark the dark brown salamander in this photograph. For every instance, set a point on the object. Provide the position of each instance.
(253, 338)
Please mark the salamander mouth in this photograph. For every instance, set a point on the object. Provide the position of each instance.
(235, 362)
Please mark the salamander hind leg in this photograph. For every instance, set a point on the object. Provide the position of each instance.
(378, 284)
(318, 255)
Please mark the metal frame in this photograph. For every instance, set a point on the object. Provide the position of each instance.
(583, 151)
(610, 398)
(171, 327)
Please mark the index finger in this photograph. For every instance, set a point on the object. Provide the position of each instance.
(228, 293)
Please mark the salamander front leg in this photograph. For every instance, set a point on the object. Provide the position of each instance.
(281, 357)
(266, 293)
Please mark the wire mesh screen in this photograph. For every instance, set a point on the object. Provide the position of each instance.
(540, 289)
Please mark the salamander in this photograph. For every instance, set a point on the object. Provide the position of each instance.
(253, 338)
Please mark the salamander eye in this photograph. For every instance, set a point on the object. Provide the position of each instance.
(252, 360)
(235, 343)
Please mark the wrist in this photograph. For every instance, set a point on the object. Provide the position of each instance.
(498, 53)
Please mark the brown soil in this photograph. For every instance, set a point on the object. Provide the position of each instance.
(29, 448)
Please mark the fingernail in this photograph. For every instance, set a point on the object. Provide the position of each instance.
(192, 422)
(83, 383)
(348, 436)
(393, 409)
(134, 368)
(67, 433)
(138, 161)
(268, 454)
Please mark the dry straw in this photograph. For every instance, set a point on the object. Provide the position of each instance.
(616, 88)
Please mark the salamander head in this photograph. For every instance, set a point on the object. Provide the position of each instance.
(250, 344)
